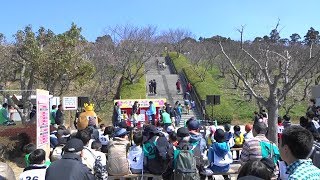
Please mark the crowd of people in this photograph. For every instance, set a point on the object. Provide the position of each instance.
(180, 153)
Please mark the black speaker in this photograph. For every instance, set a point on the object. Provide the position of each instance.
(210, 99)
(216, 99)
(82, 100)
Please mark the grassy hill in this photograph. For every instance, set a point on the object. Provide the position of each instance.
(234, 107)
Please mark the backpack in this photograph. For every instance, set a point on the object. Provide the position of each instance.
(270, 151)
(184, 164)
(99, 171)
(150, 149)
(315, 154)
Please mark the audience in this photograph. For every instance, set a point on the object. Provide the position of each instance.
(135, 155)
(220, 156)
(248, 134)
(254, 169)
(70, 166)
(295, 146)
(163, 151)
(118, 147)
(37, 168)
(238, 139)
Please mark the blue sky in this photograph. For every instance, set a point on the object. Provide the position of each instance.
(203, 17)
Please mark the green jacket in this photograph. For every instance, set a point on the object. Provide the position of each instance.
(53, 116)
(3, 115)
(166, 118)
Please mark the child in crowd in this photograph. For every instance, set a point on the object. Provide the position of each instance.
(187, 105)
(102, 128)
(96, 150)
(135, 155)
(264, 118)
(173, 139)
(27, 149)
(280, 127)
(105, 137)
(37, 167)
(238, 139)
(228, 135)
(193, 105)
(248, 134)
(219, 155)
(286, 121)
(210, 137)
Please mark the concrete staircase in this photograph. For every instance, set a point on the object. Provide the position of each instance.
(166, 86)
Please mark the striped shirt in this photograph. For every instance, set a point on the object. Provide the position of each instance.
(303, 169)
(251, 149)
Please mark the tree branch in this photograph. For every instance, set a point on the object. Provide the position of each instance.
(259, 98)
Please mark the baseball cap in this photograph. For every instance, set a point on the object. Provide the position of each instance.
(73, 145)
(193, 125)
(183, 132)
(151, 129)
(121, 132)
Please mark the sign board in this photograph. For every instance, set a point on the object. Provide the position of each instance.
(43, 120)
(128, 103)
(70, 103)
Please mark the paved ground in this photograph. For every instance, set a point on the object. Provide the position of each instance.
(166, 88)
(166, 85)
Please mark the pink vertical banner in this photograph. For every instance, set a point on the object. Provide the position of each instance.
(43, 119)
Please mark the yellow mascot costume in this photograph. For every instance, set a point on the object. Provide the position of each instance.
(87, 117)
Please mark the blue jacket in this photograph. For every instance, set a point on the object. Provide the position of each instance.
(201, 141)
(221, 149)
(152, 109)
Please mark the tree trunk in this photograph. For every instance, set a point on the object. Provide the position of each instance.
(273, 109)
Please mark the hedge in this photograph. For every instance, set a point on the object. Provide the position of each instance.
(232, 107)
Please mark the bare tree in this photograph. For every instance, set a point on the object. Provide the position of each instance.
(134, 46)
(201, 55)
(178, 38)
(275, 62)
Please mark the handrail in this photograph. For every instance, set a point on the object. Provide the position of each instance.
(173, 69)
(193, 93)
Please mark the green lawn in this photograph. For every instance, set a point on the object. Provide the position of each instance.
(133, 91)
(233, 108)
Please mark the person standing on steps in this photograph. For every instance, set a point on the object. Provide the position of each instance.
(189, 87)
(154, 86)
(150, 87)
(178, 86)
(152, 111)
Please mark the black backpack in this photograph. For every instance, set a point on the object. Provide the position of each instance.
(315, 154)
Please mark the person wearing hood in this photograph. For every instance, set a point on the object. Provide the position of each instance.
(155, 148)
(195, 136)
(219, 155)
(238, 139)
(197, 139)
(183, 137)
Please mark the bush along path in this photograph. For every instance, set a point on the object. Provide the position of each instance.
(166, 85)
(233, 106)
